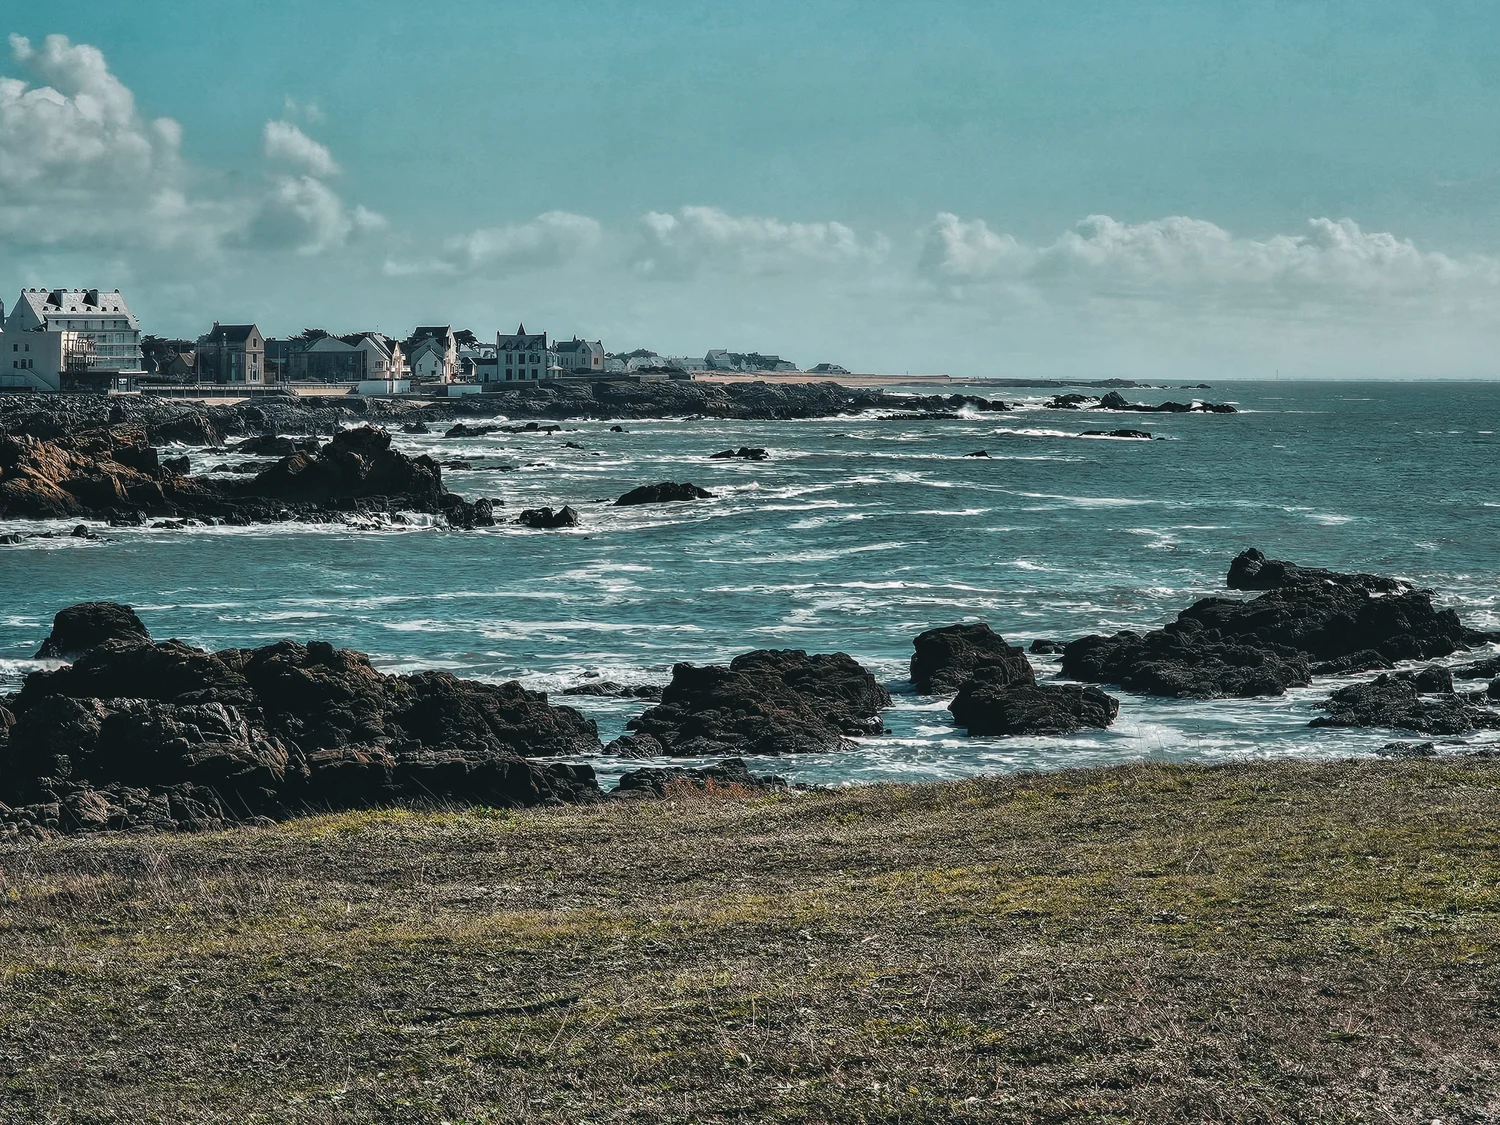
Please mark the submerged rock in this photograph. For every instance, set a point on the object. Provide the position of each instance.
(1134, 435)
(608, 689)
(730, 777)
(770, 701)
(664, 493)
(209, 738)
(945, 659)
(743, 453)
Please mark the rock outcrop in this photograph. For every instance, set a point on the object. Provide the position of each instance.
(148, 732)
(743, 453)
(664, 493)
(770, 701)
(1423, 702)
(86, 626)
(546, 519)
(1262, 646)
(991, 705)
(947, 658)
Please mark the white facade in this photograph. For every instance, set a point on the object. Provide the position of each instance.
(100, 316)
(430, 363)
(36, 361)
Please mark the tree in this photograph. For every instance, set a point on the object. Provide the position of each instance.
(310, 334)
(466, 339)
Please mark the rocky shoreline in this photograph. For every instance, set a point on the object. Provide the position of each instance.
(140, 734)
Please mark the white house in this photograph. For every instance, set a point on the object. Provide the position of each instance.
(432, 354)
(99, 315)
(37, 360)
(580, 357)
(522, 356)
(361, 357)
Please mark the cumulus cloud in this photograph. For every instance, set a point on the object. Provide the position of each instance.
(80, 166)
(1179, 255)
(552, 238)
(281, 140)
(697, 238)
(80, 132)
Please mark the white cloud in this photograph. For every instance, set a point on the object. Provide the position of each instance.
(1185, 258)
(706, 237)
(304, 214)
(281, 140)
(552, 238)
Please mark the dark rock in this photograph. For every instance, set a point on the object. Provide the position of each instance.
(188, 429)
(1135, 435)
(978, 453)
(925, 416)
(663, 493)
(1251, 570)
(272, 732)
(1366, 660)
(547, 518)
(617, 430)
(634, 746)
(743, 453)
(1069, 402)
(1041, 647)
(989, 704)
(1478, 670)
(1114, 400)
(766, 702)
(415, 428)
(10, 538)
(179, 465)
(1391, 701)
(730, 777)
(87, 625)
(611, 690)
(1408, 750)
(1227, 647)
(466, 516)
(947, 658)
(464, 431)
(274, 445)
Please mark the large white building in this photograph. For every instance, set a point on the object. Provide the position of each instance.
(39, 360)
(99, 316)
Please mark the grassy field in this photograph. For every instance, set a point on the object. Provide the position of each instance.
(1286, 942)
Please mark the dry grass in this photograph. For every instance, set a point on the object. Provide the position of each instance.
(1262, 943)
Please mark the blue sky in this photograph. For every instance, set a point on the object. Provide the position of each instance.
(1178, 189)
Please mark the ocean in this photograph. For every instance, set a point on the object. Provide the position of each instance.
(855, 536)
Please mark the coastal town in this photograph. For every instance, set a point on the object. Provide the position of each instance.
(88, 340)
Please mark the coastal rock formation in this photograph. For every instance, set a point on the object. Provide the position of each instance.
(1479, 669)
(1134, 435)
(1114, 400)
(770, 701)
(82, 627)
(945, 659)
(743, 453)
(546, 519)
(141, 733)
(1251, 570)
(1228, 647)
(1423, 702)
(991, 705)
(664, 493)
(114, 474)
(730, 776)
(608, 689)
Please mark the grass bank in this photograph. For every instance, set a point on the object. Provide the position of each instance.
(1271, 942)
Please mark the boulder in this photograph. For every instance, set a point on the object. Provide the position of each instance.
(945, 659)
(730, 777)
(1134, 435)
(1478, 669)
(547, 518)
(608, 689)
(990, 704)
(79, 628)
(766, 702)
(1042, 647)
(663, 493)
(743, 453)
(985, 453)
(1251, 570)
(1399, 703)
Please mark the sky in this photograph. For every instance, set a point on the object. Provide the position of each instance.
(1162, 190)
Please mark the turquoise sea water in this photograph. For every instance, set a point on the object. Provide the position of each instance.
(855, 536)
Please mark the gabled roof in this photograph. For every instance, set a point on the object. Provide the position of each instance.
(231, 333)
